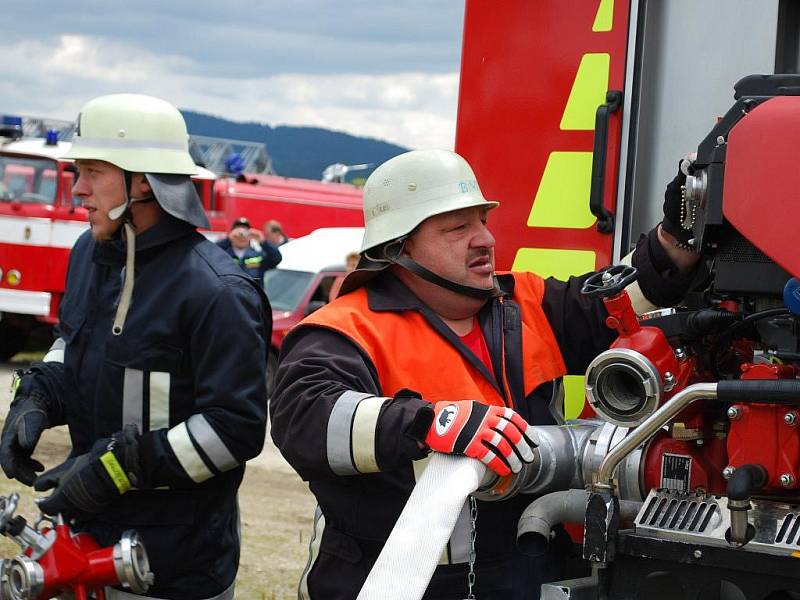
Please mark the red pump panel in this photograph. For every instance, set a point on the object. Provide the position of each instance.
(762, 179)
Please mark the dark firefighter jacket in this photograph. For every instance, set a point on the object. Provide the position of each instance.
(254, 262)
(342, 418)
(189, 371)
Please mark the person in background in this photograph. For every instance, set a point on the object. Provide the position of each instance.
(351, 262)
(255, 258)
(273, 233)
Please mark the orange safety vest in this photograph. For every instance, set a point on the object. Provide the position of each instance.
(408, 353)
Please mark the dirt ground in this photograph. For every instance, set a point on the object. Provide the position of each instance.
(277, 512)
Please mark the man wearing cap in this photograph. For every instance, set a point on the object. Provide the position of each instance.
(428, 348)
(253, 256)
(159, 366)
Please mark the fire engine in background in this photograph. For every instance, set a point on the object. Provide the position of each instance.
(40, 219)
(574, 115)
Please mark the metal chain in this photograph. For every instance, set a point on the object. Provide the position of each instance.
(473, 533)
(687, 219)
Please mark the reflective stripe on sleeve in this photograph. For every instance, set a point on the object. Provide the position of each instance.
(159, 400)
(56, 352)
(133, 398)
(211, 444)
(364, 434)
(639, 301)
(187, 454)
(340, 426)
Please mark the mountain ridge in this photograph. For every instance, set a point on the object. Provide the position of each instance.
(297, 151)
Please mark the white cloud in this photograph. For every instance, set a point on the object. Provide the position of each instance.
(414, 109)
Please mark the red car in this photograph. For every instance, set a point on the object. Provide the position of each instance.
(301, 283)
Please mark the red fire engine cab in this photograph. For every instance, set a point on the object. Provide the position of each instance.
(40, 220)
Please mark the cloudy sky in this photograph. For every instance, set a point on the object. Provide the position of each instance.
(378, 68)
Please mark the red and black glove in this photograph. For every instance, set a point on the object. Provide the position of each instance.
(495, 435)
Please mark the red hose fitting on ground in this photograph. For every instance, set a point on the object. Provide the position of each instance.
(55, 561)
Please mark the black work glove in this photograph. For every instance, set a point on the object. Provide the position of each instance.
(674, 209)
(85, 485)
(26, 420)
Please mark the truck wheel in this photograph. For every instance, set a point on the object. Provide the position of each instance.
(272, 366)
(12, 338)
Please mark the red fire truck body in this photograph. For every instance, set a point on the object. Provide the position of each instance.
(40, 220)
(574, 114)
(300, 205)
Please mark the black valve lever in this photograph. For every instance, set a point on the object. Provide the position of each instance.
(609, 281)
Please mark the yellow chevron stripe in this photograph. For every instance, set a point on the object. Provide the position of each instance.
(562, 199)
(574, 395)
(604, 19)
(554, 262)
(588, 92)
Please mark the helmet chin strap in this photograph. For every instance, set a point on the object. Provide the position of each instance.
(123, 212)
(120, 211)
(398, 258)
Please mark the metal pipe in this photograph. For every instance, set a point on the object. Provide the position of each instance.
(567, 506)
(648, 428)
(558, 456)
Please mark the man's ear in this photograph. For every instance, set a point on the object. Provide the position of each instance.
(141, 186)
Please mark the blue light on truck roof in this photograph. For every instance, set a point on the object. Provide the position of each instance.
(11, 127)
(52, 138)
(234, 164)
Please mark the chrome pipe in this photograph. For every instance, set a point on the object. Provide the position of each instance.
(649, 427)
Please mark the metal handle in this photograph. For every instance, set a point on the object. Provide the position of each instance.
(648, 428)
(605, 219)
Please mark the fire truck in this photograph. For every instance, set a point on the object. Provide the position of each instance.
(40, 220)
(574, 114)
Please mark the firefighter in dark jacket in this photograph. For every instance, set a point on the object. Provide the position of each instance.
(159, 365)
(254, 257)
(427, 348)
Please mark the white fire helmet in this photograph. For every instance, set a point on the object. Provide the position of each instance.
(409, 188)
(142, 134)
(405, 191)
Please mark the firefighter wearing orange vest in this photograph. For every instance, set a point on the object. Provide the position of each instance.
(429, 349)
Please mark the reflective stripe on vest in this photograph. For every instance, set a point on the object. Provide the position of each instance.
(408, 353)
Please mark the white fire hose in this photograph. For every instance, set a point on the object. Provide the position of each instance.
(406, 564)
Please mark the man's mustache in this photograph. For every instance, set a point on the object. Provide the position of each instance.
(479, 253)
